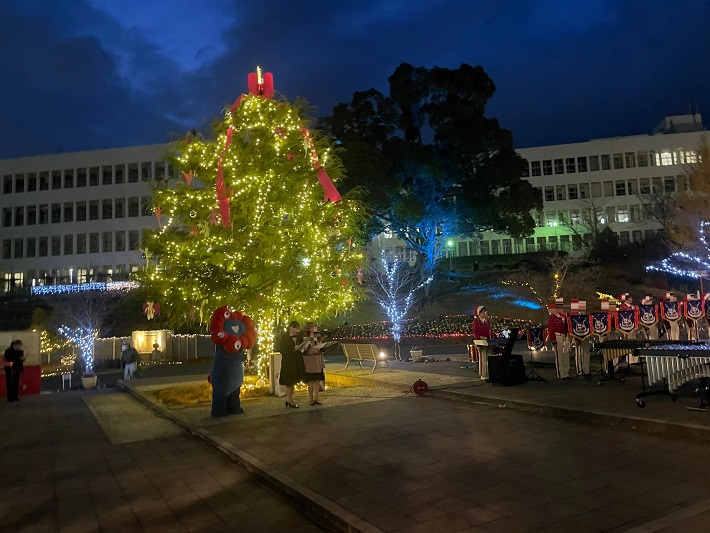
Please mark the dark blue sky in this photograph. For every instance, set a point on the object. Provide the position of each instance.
(87, 74)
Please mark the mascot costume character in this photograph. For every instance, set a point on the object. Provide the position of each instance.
(232, 333)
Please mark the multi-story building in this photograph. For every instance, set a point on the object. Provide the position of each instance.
(79, 217)
(76, 217)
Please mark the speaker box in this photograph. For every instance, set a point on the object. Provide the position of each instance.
(506, 369)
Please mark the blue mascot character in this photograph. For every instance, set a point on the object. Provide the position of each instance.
(232, 333)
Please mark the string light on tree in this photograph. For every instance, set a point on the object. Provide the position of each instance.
(685, 264)
(84, 339)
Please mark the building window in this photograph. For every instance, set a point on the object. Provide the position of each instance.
(106, 176)
(583, 191)
(526, 170)
(593, 163)
(146, 206)
(610, 214)
(645, 186)
(622, 214)
(93, 209)
(485, 248)
(120, 211)
(642, 159)
(657, 186)
(56, 179)
(620, 188)
(596, 189)
(682, 182)
(107, 241)
(572, 192)
(20, 183)
(133, 240)
(7, 185)
(570, 165)
(56, 213)
(549, 194)
(608, 188)
(636, 235)
(691, 157)
(560, 192)
(31, 246)
(118, 174)
(623, 237)
(133, 173)
(31, 215)
(120, 241)
(69, 245)
(606, 163)
(19, 216)
(93, 243)
(69, 178)
(56, 245)
(80, 211)
(81, 243)
(669, 184)
(551, 218)
(44, 181)
(43, 246)
(68, 212)
(43, 213)
(581, 164)
(133, 206)
(630, 160)
(495, 247)
(7, 249)
(7, 217)
(535, 167)
(81, 177)
(94, 177)
(664, 158)
(547, 167)
(19, 248)
(32, 182)
(559, 166)
(574, 217)
(618, 161)
(106, 209)
(634, 213)
(146, 171)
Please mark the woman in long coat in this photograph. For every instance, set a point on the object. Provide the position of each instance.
(291, 361)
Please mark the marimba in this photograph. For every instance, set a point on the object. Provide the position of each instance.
(673, 365)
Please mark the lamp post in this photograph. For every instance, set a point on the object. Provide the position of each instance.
(450, 247)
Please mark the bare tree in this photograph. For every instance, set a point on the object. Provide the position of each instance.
(590, 223)
(394, 288)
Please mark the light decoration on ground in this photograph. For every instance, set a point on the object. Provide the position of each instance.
(109, 286)
(699, 266)
(84, 339)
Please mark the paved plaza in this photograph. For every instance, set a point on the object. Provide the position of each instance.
(562, 456)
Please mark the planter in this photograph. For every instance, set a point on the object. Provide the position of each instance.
(88, 382)
(416, 355)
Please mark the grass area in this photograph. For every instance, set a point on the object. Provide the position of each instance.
(196, 394)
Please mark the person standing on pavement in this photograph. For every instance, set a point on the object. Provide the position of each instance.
(291, 361)
(129, 358)
(14, 366)
(557, 335)
(313, 363)
(482, 331)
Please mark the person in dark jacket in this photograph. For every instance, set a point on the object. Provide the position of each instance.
(291, 361)
(14, 366)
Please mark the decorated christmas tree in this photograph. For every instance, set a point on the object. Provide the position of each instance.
(254, 220)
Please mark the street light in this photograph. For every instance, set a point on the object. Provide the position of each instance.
(450, 246)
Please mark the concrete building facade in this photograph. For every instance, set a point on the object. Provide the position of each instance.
(80, 217)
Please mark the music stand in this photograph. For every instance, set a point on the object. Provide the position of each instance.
(535, 339)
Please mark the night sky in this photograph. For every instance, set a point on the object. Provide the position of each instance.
(88, 74)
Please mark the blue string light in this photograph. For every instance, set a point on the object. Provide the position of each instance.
(109, 286)
(84, 339)
(702, 264)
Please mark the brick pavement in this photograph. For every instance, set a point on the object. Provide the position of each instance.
(409, 464)
(60, 474)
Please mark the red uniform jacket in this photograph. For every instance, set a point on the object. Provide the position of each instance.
(557, 323)
(482, 329)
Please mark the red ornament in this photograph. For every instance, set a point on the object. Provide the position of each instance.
(158, 214)
(187, 177)
(344, 282)
(151, 310)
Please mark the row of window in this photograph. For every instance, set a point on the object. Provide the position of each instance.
(604, 215)
(83, 177)
(106, 209)
(70, 244)
(58, 276)
(608, 189)
(593, 163)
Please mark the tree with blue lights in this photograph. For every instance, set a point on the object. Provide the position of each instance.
(434, 165)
